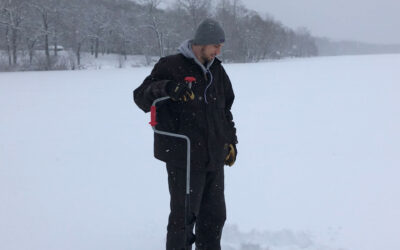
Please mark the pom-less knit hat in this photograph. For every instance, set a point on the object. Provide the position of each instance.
(209, 32)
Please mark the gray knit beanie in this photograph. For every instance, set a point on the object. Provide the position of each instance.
(209, 32)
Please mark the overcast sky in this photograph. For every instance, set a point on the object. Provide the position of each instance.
(374, 21)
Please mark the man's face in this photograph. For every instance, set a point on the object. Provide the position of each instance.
(209, 52)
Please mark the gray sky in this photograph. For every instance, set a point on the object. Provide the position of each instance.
(375, 21)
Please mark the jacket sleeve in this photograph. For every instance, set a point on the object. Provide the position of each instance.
(153, 87)
(229, 98)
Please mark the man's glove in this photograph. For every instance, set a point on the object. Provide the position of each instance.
(179, 91)
(231, 157)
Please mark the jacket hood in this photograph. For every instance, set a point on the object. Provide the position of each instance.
(186, 50)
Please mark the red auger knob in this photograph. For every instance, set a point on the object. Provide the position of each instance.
(190, 79)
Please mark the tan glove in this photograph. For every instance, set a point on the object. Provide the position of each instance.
(179, 91)
(231, 157)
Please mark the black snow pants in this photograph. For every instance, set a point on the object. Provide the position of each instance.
(207, 204)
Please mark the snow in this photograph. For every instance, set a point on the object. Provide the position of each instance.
(112, 61)
(67, 59)
(317, 169)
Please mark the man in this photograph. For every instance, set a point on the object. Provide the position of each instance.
(202, 113)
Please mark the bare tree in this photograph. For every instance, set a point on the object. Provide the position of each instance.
(123, 33)
(100, 23)
(229, 13)
(12, 16)
(77, 27)
(305, 44)
(196, 10)
(57, 29)
(153, 22)
(31, 33)
(44, 10)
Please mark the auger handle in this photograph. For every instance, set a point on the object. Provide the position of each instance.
(153, 115)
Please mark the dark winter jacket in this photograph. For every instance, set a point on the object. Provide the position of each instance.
(207, 120)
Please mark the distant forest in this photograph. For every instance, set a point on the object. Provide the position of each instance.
(140, 27)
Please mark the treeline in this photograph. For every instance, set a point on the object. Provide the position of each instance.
(140, 27)
(328, 47)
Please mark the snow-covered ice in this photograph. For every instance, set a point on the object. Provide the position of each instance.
(318, 163)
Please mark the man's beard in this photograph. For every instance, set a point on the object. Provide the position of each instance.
(204, 57)
(206, 60)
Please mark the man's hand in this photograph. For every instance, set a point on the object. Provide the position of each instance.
(179, 91)
(231, 157)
